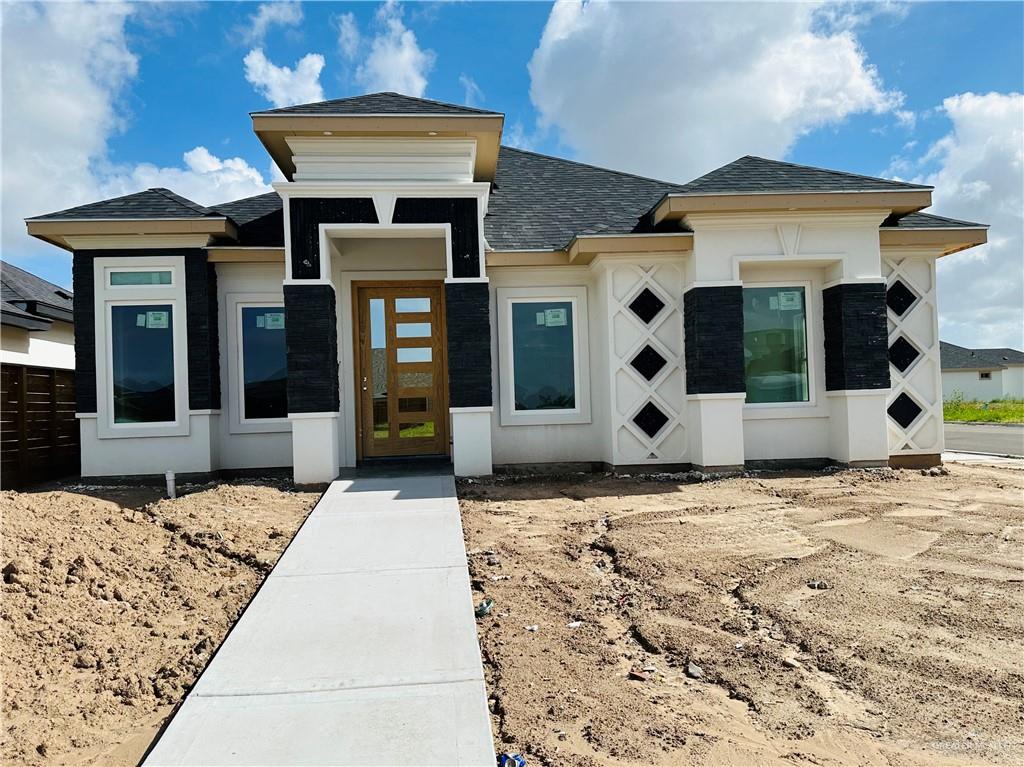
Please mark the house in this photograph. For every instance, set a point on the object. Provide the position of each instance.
(416, 288)
(981, 374)
(36, 321)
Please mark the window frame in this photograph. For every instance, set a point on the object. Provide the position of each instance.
(810, 344)
(234, 304)
(984, 375)
(576, 297)
(105, 298)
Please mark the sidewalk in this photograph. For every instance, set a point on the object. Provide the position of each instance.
(359, 649)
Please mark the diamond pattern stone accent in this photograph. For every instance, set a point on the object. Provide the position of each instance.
(904, 410)
(650, 419)
(903, 354)
(899, 298)
(648, 362)
(646, 305)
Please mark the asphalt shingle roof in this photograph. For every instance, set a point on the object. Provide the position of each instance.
(151, 203)
(22, 293)
(259, 219)
(955, 357)
(541, 202)
(386, 103)
(756, 174)
(928, 221)
(1004, 354)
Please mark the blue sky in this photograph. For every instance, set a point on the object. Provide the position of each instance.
(667, 90)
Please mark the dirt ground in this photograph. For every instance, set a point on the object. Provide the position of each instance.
(857, 617)
(114, 600)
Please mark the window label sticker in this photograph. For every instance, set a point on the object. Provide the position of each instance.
(555, 318)
(156, 320)
(790, 300)
(140, 320)
(274, 320)
(540, 318)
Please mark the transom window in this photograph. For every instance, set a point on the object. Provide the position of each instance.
(139, 277)
(142, 363)
(543, 342)
(775, 344)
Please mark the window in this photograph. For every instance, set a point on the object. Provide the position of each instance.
(543, 362)
(985, 376)
(142, 363)
(137, 277)
(264, 363)
(775, 344)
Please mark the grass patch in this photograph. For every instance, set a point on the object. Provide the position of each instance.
(996, 411)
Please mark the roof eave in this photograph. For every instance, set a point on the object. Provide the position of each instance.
(57, 230)
(949, 239)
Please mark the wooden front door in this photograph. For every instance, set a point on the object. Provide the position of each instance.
(401, 379)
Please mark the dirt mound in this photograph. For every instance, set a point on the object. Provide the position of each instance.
(855, 617)
(113, 602)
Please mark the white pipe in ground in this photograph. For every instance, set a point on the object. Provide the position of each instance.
(169, 476)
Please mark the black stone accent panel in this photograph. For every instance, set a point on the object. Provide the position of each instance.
(713, 326)
(903, 354)
(856, 336)
(904, 410)
(82, 285)
(468, 320)
(899, 298)
(203, 333)
(650, 419)
(461, 213)
(307, 213)
(648, 362)
(311, 335)
(646, 305)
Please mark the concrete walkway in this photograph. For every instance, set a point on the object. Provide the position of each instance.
(359, 649)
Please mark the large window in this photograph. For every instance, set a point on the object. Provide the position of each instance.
(142, 363)
(775, 344)
(543, 364)
(264, 363)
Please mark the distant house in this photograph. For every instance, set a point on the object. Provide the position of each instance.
(981, 374)
(414, 288)
(36, 321)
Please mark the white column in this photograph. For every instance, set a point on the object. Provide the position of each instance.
(314, 447)
(471, 441)
(858, 431)
(715, 426)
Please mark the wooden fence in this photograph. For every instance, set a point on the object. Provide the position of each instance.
(38, 429)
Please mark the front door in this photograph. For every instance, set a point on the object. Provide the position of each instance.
(400, 381)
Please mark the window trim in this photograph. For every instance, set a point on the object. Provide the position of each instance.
(239, 424)
(984, 375)
(106, 297)
(576, 296)
(810, 343)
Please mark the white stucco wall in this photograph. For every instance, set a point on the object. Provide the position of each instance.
(1013, 382)
(52, 348)
(972, 387)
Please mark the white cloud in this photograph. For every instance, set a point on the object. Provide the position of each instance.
(672, 90)
(286, 14)
(349, 38)
(65, 71)
(473, 95)
(282, 86)
(395, 61)
(977, 170)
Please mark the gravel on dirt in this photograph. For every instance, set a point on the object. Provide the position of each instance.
(114, 601)
(905, 650)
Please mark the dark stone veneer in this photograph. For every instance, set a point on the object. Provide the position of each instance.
(203, 347)
(305, 216)
(856, 336)
(467, 314)
(311, 334)
(713, 326)
(461, 213)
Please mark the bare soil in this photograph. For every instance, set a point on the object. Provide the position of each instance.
(857, 617)
(113, 602)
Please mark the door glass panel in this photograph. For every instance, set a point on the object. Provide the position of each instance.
(410, 430)
(415, 354)
(378, 373)
(415, 380)
(413, 404)
(404, 305)
(412, 330)
(142, 364)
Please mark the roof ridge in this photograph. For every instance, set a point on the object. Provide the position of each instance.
(828, 170)
(180, 199)
(592, 167)
(353, 97)
(243, 199)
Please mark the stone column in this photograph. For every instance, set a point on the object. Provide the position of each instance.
(468, 320)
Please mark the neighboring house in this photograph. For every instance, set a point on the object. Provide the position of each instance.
(36, 321)
(982, 374)
(415, 288)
